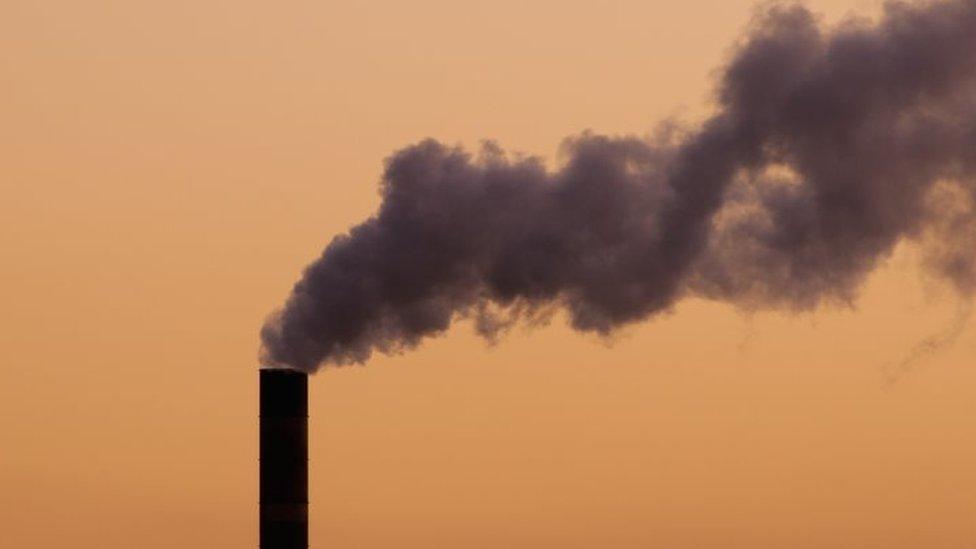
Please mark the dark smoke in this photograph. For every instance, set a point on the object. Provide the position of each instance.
(827, 148)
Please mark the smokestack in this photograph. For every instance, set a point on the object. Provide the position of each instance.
(284, 459)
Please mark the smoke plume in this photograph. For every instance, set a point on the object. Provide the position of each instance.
(827, 147)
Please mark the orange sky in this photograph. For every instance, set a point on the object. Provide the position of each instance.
(167, 170)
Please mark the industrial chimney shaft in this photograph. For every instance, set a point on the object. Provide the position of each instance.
(284, 459)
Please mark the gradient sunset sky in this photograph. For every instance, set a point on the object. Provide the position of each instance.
(168, 169)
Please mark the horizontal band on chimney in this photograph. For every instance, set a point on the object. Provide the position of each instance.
(284, 512)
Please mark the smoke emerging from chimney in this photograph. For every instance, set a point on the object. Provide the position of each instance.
(827, 147)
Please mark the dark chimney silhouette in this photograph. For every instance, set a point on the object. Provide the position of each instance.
(284, 459)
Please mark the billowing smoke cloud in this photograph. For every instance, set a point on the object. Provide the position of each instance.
(826, 149)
